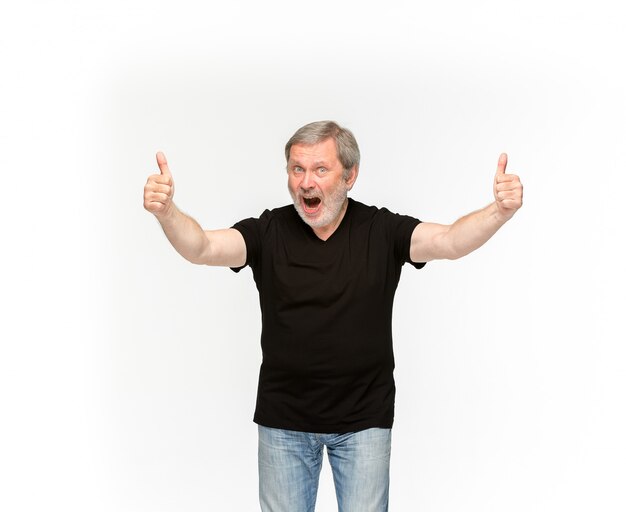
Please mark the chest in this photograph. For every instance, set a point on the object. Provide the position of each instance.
(353, 264)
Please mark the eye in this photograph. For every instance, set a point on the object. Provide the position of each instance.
(322, 170)
(297, 170)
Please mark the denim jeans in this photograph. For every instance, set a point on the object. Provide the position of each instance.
(290, 464)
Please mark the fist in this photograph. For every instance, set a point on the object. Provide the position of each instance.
(507, 189)
(159, 190)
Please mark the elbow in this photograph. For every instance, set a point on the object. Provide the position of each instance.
(455, 252)
(193, 258)
(197, 257)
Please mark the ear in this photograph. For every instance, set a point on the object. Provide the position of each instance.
(352, 175)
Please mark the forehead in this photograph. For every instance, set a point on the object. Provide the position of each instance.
(325, 151)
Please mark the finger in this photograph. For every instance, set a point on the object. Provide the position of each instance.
(164, 188)
(511, 204)
(160, 179)
(502, 164)
(162, 161)
(507, 178)
(158, 197)
(508, 194)
(155, 206)
(507, 184)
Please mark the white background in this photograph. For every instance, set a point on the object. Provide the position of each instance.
(128, 376)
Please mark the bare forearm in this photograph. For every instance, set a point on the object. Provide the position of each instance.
(471, 231)
(221, 247)
(185, 235)
(431, 241)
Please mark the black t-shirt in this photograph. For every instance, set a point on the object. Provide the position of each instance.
(326, 315)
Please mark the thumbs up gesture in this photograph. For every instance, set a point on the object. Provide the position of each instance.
(159, 190)
(507, 190)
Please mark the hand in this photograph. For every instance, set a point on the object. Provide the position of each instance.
(159, 190)
(507, 189)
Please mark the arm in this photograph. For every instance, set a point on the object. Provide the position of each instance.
(223, 247)
(431, 241)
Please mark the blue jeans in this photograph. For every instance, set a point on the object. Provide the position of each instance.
(290, 464)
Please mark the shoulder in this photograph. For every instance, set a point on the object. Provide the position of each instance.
(257, 231)
(280, 217)
(378, 214)
(268, 216)
(269, 223)
(282, 212)
(359, 210)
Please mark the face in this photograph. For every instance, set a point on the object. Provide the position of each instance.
(316, 183)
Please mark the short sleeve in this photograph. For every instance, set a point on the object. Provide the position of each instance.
(252, 230)
(402, 227)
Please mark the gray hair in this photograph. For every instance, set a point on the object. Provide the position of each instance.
(319, 131)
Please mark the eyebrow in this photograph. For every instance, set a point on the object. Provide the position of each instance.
(320, 163)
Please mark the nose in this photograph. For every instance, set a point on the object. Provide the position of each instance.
(307, 180)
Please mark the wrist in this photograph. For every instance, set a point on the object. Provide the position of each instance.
(502, 215)
(167, 217)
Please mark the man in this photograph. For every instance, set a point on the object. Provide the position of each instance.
(326, 268)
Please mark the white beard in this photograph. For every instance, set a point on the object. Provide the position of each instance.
(330, 207)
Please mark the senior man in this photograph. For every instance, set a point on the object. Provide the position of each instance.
(327, 268)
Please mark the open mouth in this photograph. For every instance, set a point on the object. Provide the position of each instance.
(311, 204)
